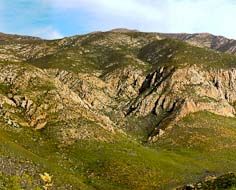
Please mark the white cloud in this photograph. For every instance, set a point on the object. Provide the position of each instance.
(113, 7)
(107, 14)
(215, 16)
(190, 16)
(46, 33)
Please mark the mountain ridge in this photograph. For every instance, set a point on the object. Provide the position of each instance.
(97, 110)
(181, 36)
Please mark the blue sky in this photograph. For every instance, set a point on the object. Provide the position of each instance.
(52, 19)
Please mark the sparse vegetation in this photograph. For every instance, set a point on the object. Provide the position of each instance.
(96, 100)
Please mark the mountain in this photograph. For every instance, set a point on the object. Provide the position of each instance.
(120, 109)
(218, 43)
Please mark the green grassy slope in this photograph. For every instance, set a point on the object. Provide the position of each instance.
(193, 149)
(170, 52)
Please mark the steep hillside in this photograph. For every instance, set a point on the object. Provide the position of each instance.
(207, 40)
(116, 110)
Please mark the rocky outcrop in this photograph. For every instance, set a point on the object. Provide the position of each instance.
(109, 77)
(40, 99)
(226, 181)
(175, 93)
(110, 91)
(90, 88)
(170, 93)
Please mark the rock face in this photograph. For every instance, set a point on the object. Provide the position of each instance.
(113, 76)
(183, 91)
(41, 98)
(116, 92)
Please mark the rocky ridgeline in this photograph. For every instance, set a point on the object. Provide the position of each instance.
(128, 74)
(206, 40)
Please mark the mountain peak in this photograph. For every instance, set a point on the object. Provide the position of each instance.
(123, 30)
